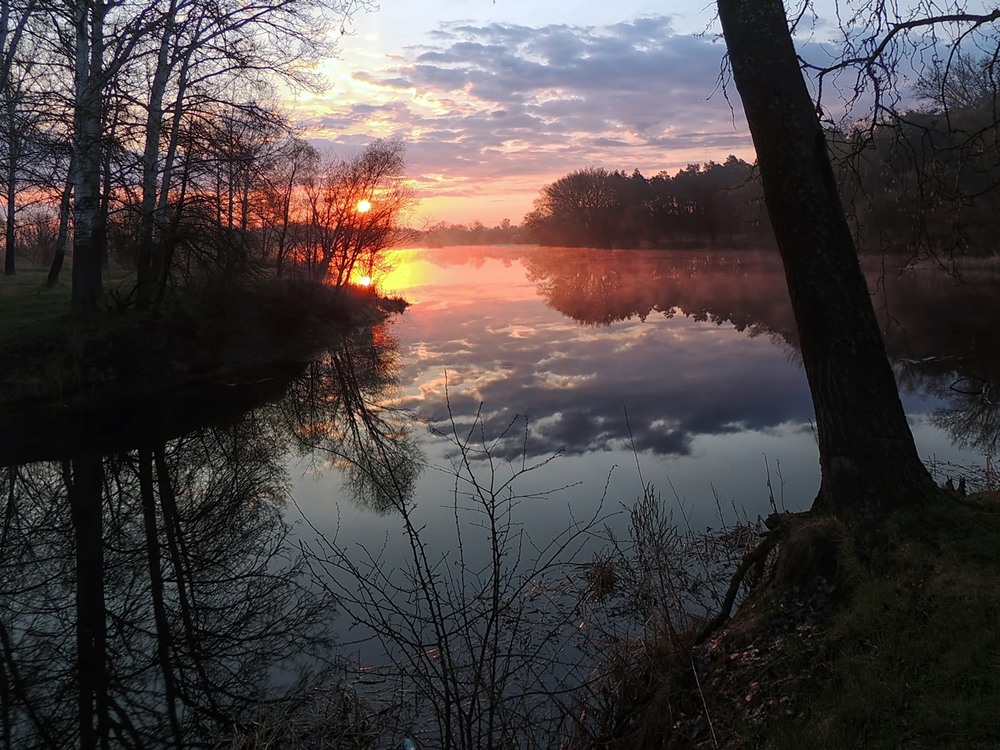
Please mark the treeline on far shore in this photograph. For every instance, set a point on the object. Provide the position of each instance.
(923, 181)
(442, 234)
(702, 204)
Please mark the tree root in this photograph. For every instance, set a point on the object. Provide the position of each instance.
(777, 524)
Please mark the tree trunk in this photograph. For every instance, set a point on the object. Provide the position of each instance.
(87, 282)
(61, 239)
(868, 460)
(10, 235)
(85, 499)
(145, 278)
(157, 592)
(11, 102)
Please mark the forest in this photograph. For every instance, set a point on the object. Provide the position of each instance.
(923, 183)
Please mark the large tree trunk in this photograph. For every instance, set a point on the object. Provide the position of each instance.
(868, 459)
(87, 119)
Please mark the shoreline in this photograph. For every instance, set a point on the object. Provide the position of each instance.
(213, 335)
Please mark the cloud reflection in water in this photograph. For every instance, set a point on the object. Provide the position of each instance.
(496, 341)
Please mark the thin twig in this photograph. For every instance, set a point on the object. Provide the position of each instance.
(704, 704)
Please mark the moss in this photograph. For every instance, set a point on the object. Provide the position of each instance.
(910, 658)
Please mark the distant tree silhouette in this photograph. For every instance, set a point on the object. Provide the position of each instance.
(700, 204)
(927, 181)
(443, 233)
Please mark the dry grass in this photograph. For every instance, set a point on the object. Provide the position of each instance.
(849, 645)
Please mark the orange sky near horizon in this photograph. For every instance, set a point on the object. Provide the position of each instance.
(496, 100)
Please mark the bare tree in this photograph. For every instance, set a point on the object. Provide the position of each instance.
(20, 114)
(280, 202)
(356, 210)
(168, 55)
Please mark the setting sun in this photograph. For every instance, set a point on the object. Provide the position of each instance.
(365, 281)
(364, 206)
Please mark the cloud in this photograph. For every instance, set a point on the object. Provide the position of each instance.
(490, 103)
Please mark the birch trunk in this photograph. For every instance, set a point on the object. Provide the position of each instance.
(145, 274)
(87, 118)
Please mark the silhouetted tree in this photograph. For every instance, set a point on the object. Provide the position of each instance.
(579, 209)
(700, 204)
(868, 460)
(356, 209)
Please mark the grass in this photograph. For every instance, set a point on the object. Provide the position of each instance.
(912, 658)
(209, 328)
(28, 308)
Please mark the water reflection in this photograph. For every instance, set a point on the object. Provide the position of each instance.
(514, 342)
(644, 347)
(342, 409)
(152, 596)
(944, 342)
(973, 416)
(146, 594)
(148, 585)
(741, 289)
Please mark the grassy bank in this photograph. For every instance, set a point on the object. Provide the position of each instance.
(896, 647)
(910, 659)
(206, 331)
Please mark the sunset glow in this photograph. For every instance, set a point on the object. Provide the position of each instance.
(495, 101)
(364, 206)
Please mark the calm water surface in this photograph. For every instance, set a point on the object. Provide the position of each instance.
(152, 574)
(677, 369)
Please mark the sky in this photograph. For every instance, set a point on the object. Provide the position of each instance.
(496, 100)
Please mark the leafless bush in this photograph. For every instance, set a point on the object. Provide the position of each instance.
(657, 587)
(488, 633)
(504, 642)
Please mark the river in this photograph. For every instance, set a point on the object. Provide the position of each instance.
(516, 412)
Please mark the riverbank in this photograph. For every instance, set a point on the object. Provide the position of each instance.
(208, 332)
(894, 648)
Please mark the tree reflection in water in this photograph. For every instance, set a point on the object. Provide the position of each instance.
(744, 289)
(152, 596)
(939, 329)
(341, 409)
(973, 417)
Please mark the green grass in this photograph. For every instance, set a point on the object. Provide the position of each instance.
(205, 329)
(913, 658)
(29, 309)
